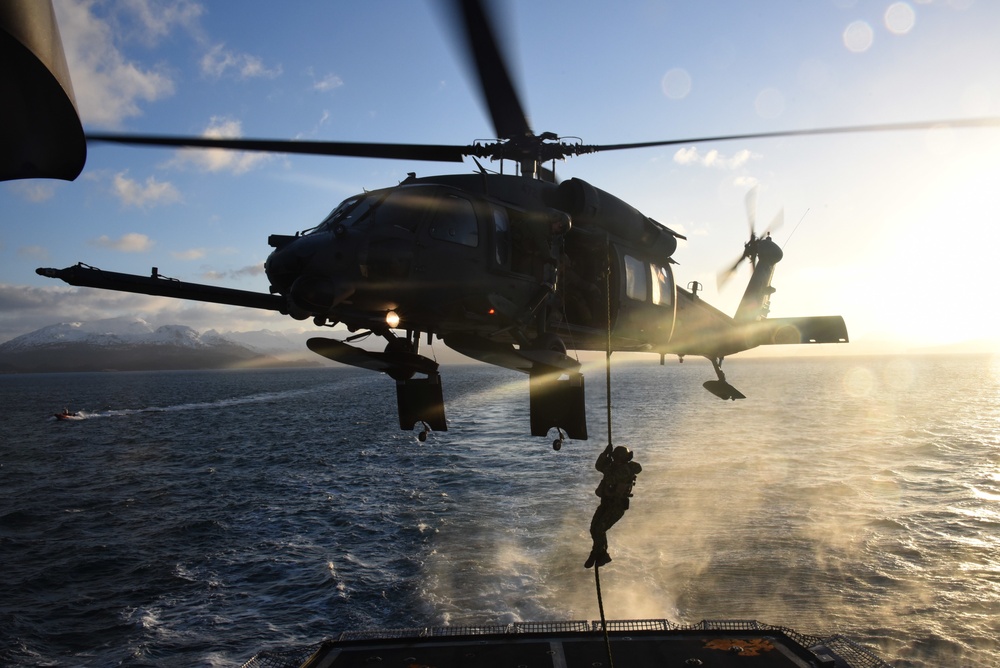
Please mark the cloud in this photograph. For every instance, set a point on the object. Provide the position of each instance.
(219, 62)
(108, 87)
(128, 243)
(153, 192)
(712, 158)
(190, 254)
(217, 159)
(24, 309)
(33, 191)
(328, 83)
(33, 252)
(252, 270)
(157, 19)
(246, 272)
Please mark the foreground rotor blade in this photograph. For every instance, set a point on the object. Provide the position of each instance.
(40, 131)
(884, 127)
(430, 152)
(496, 85)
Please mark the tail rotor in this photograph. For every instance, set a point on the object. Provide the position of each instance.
(750, 248)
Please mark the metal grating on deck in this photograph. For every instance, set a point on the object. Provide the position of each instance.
(578, 644)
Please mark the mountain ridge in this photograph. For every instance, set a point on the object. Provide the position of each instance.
(132, 344)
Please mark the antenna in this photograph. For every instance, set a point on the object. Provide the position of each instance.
(793, 229)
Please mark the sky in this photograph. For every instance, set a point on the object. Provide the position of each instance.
(896, 231)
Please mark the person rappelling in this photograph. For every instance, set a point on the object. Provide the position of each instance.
(615, 490)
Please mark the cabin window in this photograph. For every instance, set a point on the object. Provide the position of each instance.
(662, 285)
(455, 220)
(635, 279)
(501, 235)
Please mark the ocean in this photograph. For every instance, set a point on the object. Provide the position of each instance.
(196, 518)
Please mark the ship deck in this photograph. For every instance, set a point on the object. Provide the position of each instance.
(660, 643)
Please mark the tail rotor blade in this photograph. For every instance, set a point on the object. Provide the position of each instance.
(778, 221)
(723, 276)
(751, 203)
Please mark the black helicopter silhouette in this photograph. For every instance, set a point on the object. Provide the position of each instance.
(510, 269)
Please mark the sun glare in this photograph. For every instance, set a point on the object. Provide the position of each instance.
(928, 267)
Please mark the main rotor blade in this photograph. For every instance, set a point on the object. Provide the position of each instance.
(883, 127)
(429, 152)
(495, 83)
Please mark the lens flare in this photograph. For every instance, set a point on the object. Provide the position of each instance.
(899, 18)
(858, 37)
(676, 83)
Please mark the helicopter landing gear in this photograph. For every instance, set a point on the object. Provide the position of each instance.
(421, 400)
(721, 388)
(558, 442)
(556, 390)
(557, 400)
(555, 384)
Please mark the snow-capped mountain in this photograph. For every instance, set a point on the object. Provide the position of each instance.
(109, 333)
(132, 344)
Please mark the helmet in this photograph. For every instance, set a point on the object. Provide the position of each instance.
(621, 454)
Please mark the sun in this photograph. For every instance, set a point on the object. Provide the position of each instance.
(928, 276)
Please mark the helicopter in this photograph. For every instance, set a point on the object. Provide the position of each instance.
(512, 269)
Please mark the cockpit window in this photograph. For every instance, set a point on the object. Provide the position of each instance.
(455, 220)
(405, 207)
(348, 213)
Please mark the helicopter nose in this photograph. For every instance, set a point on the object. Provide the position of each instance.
(318, 294)
(288, 260)
(302, 270)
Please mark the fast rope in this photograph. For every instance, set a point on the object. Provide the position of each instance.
(604, 624)
(607, 394)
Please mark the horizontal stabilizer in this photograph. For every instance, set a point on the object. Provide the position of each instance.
(815, 329)
(723, 390)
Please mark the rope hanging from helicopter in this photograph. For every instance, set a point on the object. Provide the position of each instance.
(607, 395)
